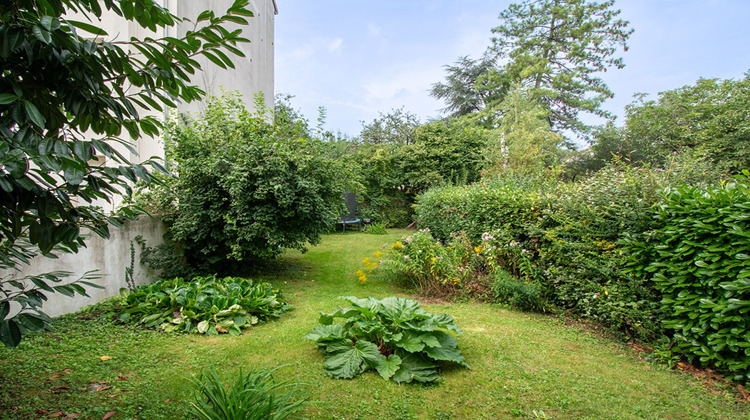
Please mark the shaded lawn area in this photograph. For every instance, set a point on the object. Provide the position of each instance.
(523, 365)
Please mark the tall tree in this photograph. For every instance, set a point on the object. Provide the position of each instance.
(558, 48)
(65, 97)
(470, 86)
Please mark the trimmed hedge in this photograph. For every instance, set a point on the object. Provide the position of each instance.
(624, 250)
(702, 265)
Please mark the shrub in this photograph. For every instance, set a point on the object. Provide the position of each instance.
(393, 336)
(701, 264)
(376, 229)
(207, 305)
(252, 396)
(570, 239)
(523, 295)
(247, 189)
(423, 262)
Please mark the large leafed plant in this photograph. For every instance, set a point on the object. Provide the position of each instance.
(393, 336)
(206, 305)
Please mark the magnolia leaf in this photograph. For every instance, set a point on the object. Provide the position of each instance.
(348, 362)
(10, 334)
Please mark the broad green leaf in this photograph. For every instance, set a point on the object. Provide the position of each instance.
(388, 367)
(416, 368)
(447, 351)
(350, 361)
(323, 333)
(10, 334)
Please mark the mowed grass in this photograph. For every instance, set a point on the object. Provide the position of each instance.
(523, 365)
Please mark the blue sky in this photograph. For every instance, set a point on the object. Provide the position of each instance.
(360, 57)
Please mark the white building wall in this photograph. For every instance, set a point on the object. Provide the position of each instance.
(252, 74)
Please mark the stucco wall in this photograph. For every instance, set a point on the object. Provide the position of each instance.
(254, 72)
(109, 256)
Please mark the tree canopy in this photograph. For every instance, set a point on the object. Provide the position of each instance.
(68, 92)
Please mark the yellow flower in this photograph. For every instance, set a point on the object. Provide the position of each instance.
(361, 276)
(432, 260)
(478, 249)
(366, 261)
(398, 245)
(378, 254)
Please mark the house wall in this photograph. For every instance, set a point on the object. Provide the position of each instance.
(108, 257)
(253, 74)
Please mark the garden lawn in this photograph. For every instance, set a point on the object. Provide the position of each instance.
(523, 365)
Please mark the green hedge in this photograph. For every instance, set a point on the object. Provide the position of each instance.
(625, 250)
(702, 265)
(570, 233)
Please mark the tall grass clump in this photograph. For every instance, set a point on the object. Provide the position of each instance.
(253, 395)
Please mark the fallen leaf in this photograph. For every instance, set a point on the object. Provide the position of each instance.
(42, 412)
(67, 370)
(113, 395)
(744, 393)
(103, 388)
(121, 378)
(106, 357)
(111, 345)
(71, 416)
(166, 401)
(108, 415)
(221, 330)
(56, 376)
(57, 414)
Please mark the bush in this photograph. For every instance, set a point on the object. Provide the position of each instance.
(252, 396)
(701, 264)
(424, 263)
(570, 239)
(376, 229)
(393, 336)
(523, 295)
(247, 189)
(207, 305)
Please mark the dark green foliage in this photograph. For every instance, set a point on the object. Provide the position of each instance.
(564, 238)
(393, 174)
(470, 86)
(700, 260)
(523, 295)
(66, 102)
(252, 396)
(442, 154)
(393, 336)
(205, 305)
(246, 189)
(708, 118)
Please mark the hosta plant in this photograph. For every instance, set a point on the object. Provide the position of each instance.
(393, 336)
(205, 305)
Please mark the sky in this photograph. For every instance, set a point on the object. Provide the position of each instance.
(359, 58)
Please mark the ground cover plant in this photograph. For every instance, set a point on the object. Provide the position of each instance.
(204, 305)
(393, 336)
(521, 362)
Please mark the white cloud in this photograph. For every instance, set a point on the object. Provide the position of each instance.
(335, 45)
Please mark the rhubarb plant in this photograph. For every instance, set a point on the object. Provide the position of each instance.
(393, 336)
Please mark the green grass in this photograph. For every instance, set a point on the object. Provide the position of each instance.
(523, 365)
